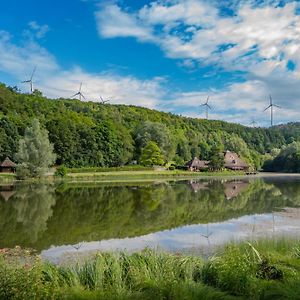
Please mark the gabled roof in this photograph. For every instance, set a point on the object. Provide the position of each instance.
(7, 163)
(232, 160)
(197, 163)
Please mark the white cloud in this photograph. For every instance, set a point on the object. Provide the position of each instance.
(193, 29)
(259, 38)
(20, 60)
(38, 30)
(53, 81)
(113, 22)
(242, 102)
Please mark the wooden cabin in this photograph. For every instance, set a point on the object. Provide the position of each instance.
(7, 166)
(197, 165)
(234, 162)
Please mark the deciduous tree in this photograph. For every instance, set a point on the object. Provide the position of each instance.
(35, 153)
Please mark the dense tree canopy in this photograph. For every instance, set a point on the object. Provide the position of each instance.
(286, 160)
(151, 155)
(93, 134)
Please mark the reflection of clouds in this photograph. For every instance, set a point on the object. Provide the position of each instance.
(187, 238)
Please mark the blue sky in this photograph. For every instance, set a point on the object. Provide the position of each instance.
(163, 54)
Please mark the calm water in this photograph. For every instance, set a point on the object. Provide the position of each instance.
(180, 216)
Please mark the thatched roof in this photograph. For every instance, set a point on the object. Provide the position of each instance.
(233, 161)
(7, 163)
(197, 163)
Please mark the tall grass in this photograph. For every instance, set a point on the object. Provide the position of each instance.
(264, 270)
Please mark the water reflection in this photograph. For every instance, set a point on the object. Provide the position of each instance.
(137, 215)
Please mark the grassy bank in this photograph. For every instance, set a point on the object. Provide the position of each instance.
(121, 176)
(264, 270)
(144, 175)
(7, 177)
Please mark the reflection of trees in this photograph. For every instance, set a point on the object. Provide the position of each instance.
(112, 211)
(24, 217)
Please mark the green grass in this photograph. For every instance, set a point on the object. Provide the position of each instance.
(145, 175)
(140, 174)
(261, 270)
(7, 177)
(109, 169)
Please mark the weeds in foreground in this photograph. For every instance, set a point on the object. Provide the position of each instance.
(256, 271)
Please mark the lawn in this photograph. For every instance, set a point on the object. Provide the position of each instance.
(146, 175)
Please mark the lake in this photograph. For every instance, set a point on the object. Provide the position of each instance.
(190, 216)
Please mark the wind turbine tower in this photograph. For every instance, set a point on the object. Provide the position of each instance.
(30, 81)
(271, 107)
(207, 106)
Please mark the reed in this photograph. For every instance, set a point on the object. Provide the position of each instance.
(266, 269)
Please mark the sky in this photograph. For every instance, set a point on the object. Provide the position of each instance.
(168, 55)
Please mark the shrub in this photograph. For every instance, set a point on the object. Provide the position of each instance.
(22, 278)
(61, 171)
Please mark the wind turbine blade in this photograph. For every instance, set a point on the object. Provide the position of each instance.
(207, 99)
(277, 106)
(208, 106)
(101, 99)
(32, 73)
(82, 96)
(271, 100)
(268, 107)
(25, 81)
(80, 87)
(75, 95)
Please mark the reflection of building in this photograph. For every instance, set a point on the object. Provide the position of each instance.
(234, 188)
(197, 186)
(7, 166)
(7, 191)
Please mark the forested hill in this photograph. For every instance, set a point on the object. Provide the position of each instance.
(94, 134)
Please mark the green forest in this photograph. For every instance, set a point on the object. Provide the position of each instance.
(89, 134)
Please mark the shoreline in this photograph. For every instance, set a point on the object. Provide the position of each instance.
(141, 176)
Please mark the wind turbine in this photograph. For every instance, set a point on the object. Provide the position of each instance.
(79, 93)
(103, 101)
(271, 107)
(253, 123)
(207, 106)
(207, 235)
(30, 80)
